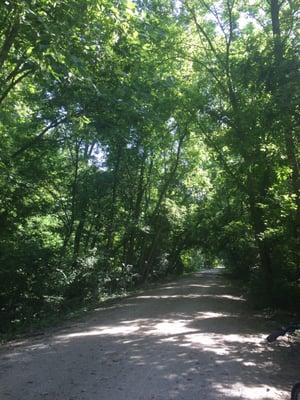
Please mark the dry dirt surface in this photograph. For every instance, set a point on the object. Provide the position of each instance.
(193, 338)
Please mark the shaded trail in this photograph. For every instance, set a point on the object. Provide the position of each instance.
(191, 339)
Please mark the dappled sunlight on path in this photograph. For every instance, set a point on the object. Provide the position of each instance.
(191, 339)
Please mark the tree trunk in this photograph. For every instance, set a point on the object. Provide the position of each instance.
(70, 226)
(129, 244)
(280, 87)
(111, 227)
(145, 262)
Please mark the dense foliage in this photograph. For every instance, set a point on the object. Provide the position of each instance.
(142, 138)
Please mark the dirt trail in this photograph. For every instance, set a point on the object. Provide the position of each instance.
(190, 339)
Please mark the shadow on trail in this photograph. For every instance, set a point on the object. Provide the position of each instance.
(192, 339)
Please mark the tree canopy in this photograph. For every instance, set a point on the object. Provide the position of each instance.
(143, 138)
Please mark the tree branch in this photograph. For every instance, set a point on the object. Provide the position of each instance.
(10, 35)
(202, 32)
(13, 84)
(37, 138)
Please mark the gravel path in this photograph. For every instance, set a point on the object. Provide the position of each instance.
(190, 339)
